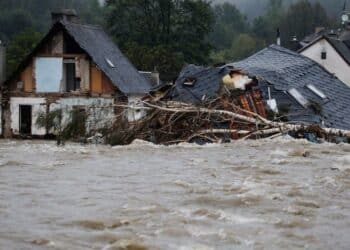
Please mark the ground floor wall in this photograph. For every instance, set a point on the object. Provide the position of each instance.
(100, 113)
(38, 105)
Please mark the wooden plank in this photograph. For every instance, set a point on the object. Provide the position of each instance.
(84, 74)
(96, 80)
(107, 86)
(27, 78)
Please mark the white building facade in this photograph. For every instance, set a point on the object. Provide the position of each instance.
(327, 53)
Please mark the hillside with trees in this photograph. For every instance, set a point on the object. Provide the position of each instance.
(254, 8)
(166, 34)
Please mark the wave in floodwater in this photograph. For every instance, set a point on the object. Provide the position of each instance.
(269, 194)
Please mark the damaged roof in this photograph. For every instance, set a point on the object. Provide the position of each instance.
(206, 84)
(104, 53)
(285, 69)
(282, 70)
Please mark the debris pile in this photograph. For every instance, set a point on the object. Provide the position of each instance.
(217, 121)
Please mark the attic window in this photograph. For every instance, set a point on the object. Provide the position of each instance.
(110, 63)
(316, 91)
(323, 55)
(298, 97)
(189, 81)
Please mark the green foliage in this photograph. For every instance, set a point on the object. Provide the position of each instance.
(20, 46)
(237, 40)
(72, 127)
(14, 21)
(165, 34)
(242, 46)
(302, 18)
(174, 31)
(19, 15)
(229, 22)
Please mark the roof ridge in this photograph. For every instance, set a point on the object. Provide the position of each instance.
(90, 26)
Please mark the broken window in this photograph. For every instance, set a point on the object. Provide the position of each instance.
(71, 82)
(48, 74)
(298, 97)
(316, 91)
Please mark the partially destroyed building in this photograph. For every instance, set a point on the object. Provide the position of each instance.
(290, 86)
(75, 66)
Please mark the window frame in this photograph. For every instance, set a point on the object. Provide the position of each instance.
(298, 97)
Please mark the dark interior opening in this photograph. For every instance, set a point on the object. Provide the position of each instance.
(72, 83)
(71, 46)
(25, 119)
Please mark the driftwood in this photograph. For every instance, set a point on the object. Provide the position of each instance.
(174, 122)
(262, 127)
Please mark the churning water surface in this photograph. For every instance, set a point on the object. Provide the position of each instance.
(271, 194)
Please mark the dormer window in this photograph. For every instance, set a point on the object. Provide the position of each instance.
(109, 62)
(190, 81)
(316, 91)
(298, 97)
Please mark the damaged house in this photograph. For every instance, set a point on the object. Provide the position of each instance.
(75, 67)
(289, 86)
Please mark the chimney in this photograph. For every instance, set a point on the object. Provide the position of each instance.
(278, 42)
(2, 63)
(294, 44)
(319, 29)
(65, 15)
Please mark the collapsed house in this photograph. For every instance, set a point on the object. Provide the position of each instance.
(290, 86)
(74, 67)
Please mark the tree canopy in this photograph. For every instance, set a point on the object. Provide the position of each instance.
(166, 34)
(164, 31)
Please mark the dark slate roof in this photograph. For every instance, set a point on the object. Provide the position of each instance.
(207, 83)
(280, 69)
(284, 69)
(96, 43)
(342, 48)
(315, 36)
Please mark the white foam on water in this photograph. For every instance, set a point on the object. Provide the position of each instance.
(196, 247)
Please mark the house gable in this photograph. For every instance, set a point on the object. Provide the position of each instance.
(334, 61)
(59, 46)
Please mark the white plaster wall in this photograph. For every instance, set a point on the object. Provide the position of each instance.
(38, 106)
(334, 62)
(100, 111)
(135, 111)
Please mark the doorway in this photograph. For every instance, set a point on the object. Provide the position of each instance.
(25, 119)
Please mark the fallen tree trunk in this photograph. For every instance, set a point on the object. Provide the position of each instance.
(264, 127)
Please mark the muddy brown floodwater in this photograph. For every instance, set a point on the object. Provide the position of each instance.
(277, 194)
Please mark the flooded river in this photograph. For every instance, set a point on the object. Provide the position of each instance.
(281, 194)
